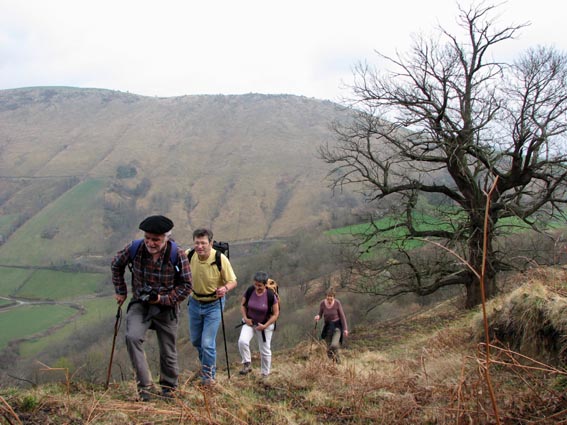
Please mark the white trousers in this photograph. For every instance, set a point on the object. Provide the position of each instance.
(246, 335)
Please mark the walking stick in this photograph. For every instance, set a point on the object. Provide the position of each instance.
(314, 336)
(224, 337)
(116, 327)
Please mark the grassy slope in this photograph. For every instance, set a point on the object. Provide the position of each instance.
(71, 215)
(242, 164)
(95, 311)
(45, 285)
(30, 320)
(54, 285)
(422, 369)
(12, 279)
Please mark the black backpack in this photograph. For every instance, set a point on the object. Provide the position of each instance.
(272, 294)
(219, 247)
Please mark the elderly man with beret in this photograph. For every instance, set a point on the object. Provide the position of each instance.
(158, 287)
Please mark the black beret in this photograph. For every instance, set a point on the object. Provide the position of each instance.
(157, 224)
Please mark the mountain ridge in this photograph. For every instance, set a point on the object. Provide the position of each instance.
(245, 165)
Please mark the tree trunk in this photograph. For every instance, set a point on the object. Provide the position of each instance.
(474, 293)
(473, 287)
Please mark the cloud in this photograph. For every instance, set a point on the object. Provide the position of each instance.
(178, 47)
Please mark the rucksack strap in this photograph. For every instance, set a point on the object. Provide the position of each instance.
(218, 260)
(271, 297)
(271, 301)
(132, 251)
(247, 295)
(136, 244)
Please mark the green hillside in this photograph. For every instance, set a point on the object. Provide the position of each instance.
(32, 319)
(59, 231)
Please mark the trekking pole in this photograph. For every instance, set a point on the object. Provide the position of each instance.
(224, 338)
(313, 337)
(116, 327)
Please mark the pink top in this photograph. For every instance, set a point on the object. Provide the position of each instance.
(257, 309)
(333, 313)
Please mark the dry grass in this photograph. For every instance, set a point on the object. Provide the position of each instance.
(532, 318)
(426, 369)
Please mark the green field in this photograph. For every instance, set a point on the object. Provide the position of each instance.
(11, 279)
(98, 310)
(25, 321)
(398, 235)
(41, 284)
(6, 222)
(4, 302)
(55, 285)
(76, 209)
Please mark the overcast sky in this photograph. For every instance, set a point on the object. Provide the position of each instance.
(183, 47)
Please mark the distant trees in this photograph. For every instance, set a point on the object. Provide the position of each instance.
(126, 171)
(50, 232)
(444, 125)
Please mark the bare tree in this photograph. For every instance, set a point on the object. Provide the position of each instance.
(438, 129)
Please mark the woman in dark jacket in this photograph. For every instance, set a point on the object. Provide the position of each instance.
(335, 324)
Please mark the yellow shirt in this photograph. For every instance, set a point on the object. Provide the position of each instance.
(207, 278)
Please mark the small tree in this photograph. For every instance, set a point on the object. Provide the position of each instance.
(441, 127)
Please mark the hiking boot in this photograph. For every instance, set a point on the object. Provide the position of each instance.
(145, 394)
(207, 385)
(246, 368)
(168, 392)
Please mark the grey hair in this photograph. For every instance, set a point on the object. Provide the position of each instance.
(261, 277)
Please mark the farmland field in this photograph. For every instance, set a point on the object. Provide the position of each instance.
(4, 303)
(6, 221)
(55, 285)
(97, 310)
(73, 210)
(11, 279)
(397, 234)
(28, 320)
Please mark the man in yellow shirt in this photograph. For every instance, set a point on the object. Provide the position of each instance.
(211, 283)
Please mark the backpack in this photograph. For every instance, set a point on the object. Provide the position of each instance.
(272, 284)
(135, 246)
(219, 247)
(272, 288)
